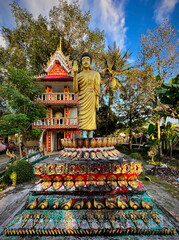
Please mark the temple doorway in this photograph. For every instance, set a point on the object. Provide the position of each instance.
(60, 135)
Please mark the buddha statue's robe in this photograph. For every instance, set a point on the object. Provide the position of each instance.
(88, 89)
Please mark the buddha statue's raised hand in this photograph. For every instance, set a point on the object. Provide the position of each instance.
(75, 67)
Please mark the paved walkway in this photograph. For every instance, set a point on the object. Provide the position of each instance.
(4, 159)
(3, 162)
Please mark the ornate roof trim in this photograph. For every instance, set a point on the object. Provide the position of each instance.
(57, 56)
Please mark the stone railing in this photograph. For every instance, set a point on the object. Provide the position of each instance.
(56, 122)
(57, 97)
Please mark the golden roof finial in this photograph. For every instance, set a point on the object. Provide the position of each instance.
(60, 48)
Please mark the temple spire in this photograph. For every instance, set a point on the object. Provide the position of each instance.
(60, 47)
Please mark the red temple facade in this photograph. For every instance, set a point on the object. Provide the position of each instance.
(61, 103)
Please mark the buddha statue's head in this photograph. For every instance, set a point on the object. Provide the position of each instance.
(86, 60)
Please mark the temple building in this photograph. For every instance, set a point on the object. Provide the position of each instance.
(61, 103)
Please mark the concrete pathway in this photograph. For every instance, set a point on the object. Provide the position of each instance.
(3, 162)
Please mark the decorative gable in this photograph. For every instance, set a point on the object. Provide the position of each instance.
(57, 69)
(58, 64)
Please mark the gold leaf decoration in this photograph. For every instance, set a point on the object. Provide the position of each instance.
(99, 142)
(133, 184)
(123, 184)
(56, 205)
(79, 184)
(146, 205)
(93, 155)
(14, 220)
(32, 205)
(25, 218)
(134, 205)
(43, 205)
(36, 217)
(144, 216)
(104, 142)
(105, 154)
(74, 154)
(121, 204)
(46, 185)
(68, 184)
(88, 204)
(67, 205)
(98, 205)
(79, 205)
(110, 154)
(110, 204)
(99, 155)
(86, 155)
(57, 185)
(133, 216)
(99, 215)
(112, 184)
(109, 142)
(155, 216)
(111, 218)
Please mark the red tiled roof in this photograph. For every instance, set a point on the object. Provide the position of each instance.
(56, 78)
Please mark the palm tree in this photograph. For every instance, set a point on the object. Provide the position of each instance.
(115, 65)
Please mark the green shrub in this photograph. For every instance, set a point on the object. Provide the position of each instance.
(23, 170)
(137, 156)
(122, 148)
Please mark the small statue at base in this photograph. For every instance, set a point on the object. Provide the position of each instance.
(87, 85)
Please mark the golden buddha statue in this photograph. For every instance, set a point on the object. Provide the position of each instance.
(87, 85)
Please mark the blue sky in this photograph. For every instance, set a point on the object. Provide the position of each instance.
(123, 20)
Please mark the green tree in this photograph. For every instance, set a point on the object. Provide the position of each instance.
(159, 51)
(170, 138)
(115, 67)
(134, 106)
(32, 41)
(169, 95)
(19, 90)
(74, 26)
(101, 121)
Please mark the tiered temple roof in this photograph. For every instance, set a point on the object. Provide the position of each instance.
(57, 67)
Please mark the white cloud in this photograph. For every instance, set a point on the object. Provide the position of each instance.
(163, 9)
(107, 15)
(2, 41)
(37, 7)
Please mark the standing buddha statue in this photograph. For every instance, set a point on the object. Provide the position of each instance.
(87, 85)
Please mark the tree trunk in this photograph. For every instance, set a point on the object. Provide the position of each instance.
(140, 142)
(130, 128)
(20, 149)
(159, 145)
(108, 115)
(130, 140)
(130, 135)
(158, 127)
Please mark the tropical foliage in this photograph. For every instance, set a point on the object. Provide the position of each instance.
(19, 90)
(134, 106)
(32, 41)
(115, 66)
